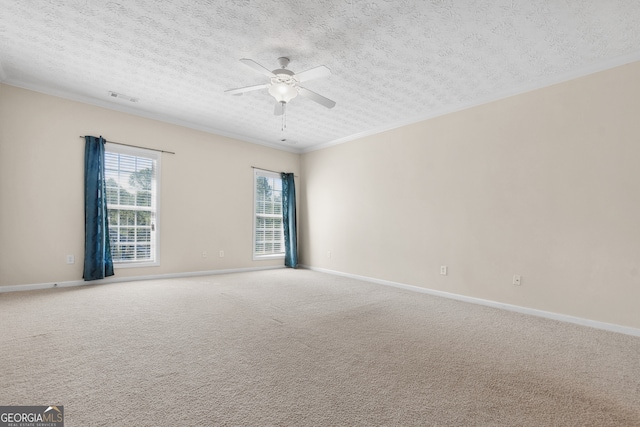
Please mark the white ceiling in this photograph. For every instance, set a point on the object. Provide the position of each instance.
(393, 62)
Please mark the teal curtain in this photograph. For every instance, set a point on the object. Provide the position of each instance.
(289, 220)
(97, 252)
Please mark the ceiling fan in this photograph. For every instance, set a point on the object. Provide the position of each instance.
(284, 85)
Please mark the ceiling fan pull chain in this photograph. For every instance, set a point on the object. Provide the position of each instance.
(284, 116)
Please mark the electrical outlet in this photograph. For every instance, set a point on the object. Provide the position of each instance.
(204, 254)
(517, 280)
(221, 254)
(443, 270)
(71, 259)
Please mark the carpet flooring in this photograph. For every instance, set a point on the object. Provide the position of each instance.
(301, 348)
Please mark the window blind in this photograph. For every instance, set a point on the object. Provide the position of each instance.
(132, 183)
(268, 227)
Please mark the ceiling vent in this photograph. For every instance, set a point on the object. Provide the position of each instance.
(122, 96)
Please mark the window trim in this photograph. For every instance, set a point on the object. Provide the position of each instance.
(256, 173)
(157, 186)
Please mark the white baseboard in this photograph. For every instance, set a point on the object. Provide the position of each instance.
(115, 279)
(524, 310)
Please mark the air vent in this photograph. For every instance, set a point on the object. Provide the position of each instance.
(122, 96)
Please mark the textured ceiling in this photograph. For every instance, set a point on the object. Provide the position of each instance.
(392, 61)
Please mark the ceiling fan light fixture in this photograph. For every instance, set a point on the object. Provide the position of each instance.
(282, 92)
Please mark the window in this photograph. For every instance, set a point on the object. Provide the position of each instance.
(132, 181)
(268, 231)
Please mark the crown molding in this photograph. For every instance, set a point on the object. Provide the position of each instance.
(529, 87)
(144, 114)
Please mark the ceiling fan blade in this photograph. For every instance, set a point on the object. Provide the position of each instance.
(259, 68)
(317, 98)
(241, 90)
(278, 110)
(313, 73)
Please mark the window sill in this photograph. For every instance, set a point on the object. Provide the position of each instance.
(135, 264)
(267, 257)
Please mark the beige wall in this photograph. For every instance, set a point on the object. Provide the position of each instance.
(545, 185)
(206, 194)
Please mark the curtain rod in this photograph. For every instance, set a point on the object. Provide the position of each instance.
(136, 146)
(268, 170)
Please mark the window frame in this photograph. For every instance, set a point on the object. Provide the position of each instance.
(156, 156)
(261, 257)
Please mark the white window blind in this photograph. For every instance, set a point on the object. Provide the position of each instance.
(132, 183)
(268, 230)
